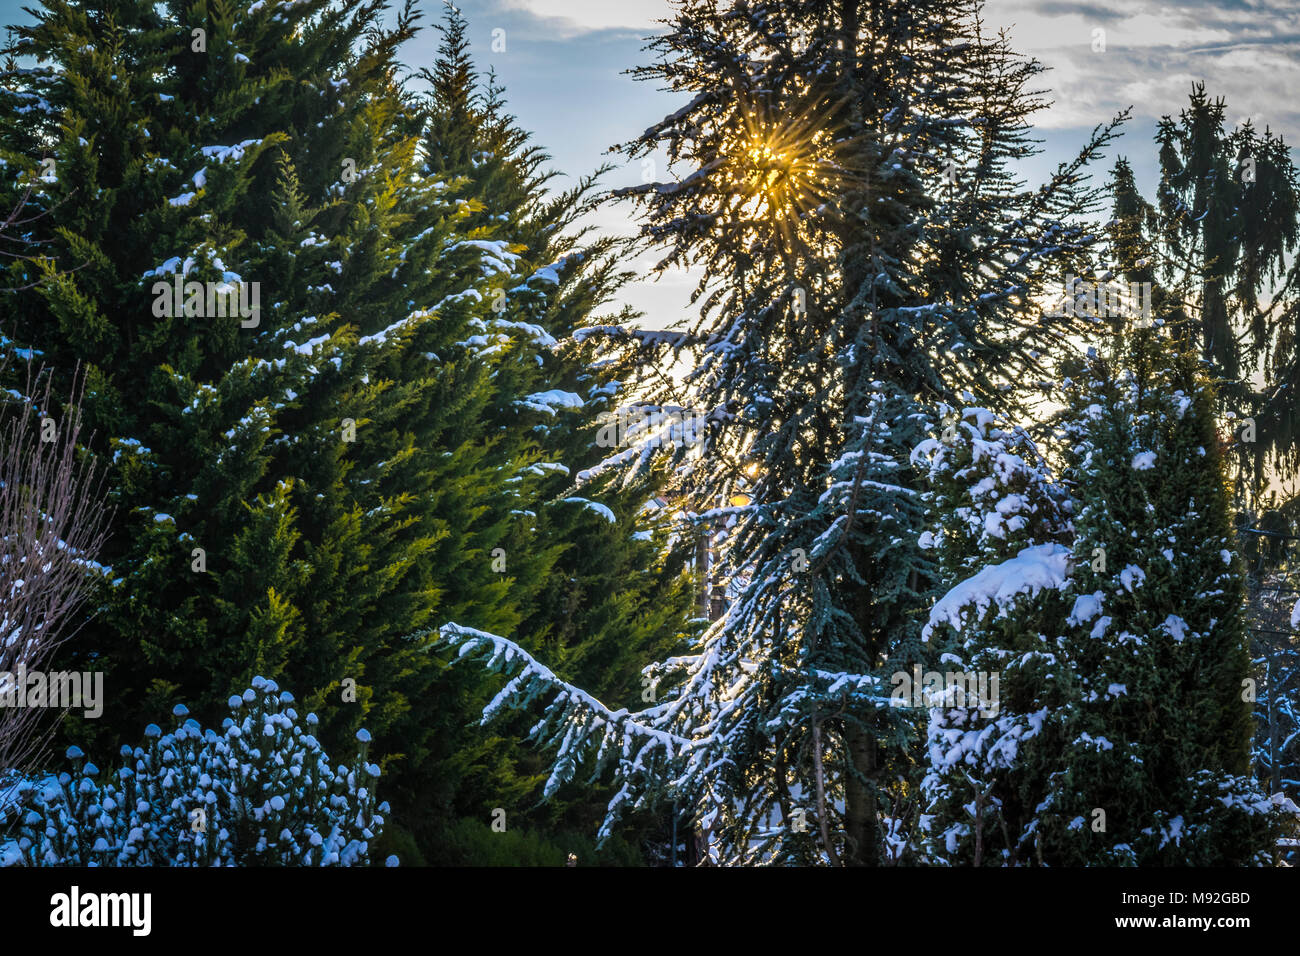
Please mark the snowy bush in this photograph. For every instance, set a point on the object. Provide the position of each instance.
(991, 493)
(1123, 734)
(261, 793)
(1000, 530)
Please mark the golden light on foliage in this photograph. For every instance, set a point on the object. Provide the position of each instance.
(779, 175)
(783, 169)
(778, 178)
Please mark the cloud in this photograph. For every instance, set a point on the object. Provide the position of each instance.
(1247, 51)
(565, 59)
(586, 16)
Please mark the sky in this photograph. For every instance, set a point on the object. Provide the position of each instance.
(564, 63)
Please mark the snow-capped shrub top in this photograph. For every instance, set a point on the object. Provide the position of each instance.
(992, 496)
(262, 793)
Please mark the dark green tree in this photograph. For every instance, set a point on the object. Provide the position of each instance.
(1217, 245)
(1159, 739)
(599, 591)
(300, 487)
(843, 178)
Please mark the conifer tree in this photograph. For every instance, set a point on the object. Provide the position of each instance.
(1002, 540)
(1160, 738)
(1122, 733)
(381, 446)
(1216, 250)
(597, 593)
(301, 487)
(862, 249)
(1217, 246)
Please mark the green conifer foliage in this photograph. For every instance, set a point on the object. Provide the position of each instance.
(1162, 729)
(301, 487)
(599, 591)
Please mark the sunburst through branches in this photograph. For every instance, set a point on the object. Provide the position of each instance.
(783, 170)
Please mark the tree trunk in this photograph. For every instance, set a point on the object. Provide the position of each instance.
(1274, 771)
(702, 568)
(861, 827)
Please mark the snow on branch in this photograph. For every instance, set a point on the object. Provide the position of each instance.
(650, 338)
(694, 180)
(574, 722)
(1043, 566)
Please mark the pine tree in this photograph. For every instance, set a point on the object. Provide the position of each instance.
(327, 454)
(859, 255)
(1216, 246)
(1160, 739)
(1122, 732)
(595, 591)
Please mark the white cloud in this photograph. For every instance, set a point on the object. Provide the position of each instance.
(1244, 50)
(584, 16)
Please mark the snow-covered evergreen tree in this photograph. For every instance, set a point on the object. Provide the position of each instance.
(1122, 732)
(385, 444)
(862, 248)
(1274, 616)
(299, 489)
(1217, 243)
(1002, 538)
(1160, 738)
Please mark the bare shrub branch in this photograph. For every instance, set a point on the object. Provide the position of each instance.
(53, 523)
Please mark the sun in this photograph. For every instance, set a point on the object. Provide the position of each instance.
(778, 173)
(782, 170)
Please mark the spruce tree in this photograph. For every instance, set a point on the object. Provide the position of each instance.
(861, 252)
(1216, 244)
(1160, 737)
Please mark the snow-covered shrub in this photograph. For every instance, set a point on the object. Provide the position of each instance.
(1001, 530)
(261, 793)
(1122, 733)
(990, 492)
